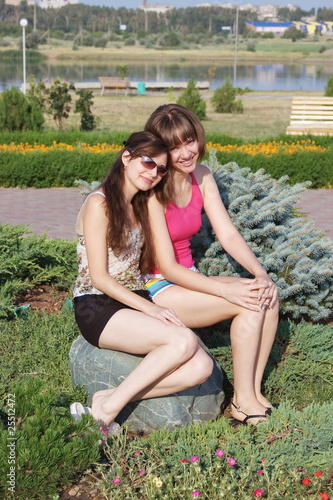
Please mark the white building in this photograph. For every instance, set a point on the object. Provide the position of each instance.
(154, 7)
(56, 4)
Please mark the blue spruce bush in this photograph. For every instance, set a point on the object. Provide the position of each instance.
(298, 257)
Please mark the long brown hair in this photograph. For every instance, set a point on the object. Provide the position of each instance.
(175, 124)
(139, 144)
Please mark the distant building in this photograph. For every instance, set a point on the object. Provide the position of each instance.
(267, 12)
(154, 7)
(13, 2)
(56, 4)
(267, 27)
(310, 28)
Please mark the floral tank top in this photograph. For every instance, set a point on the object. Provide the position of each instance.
(124, 267)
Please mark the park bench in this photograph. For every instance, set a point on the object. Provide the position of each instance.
(114, 82)
(311, 115)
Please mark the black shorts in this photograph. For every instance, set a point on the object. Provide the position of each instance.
(92, 312)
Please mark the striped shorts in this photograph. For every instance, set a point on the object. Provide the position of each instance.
(155, 283)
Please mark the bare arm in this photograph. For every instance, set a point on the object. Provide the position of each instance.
(95, 225)
(228, 235)
(242, 292)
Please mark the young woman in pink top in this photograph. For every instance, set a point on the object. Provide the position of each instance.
(198, 300)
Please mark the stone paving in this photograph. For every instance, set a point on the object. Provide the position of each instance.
(54, 210)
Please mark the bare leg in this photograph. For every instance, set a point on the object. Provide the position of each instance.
(174, 361)
(252, 335)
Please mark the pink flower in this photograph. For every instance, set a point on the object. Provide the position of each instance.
(263, 460)
(194, 458)
(298, 470)
(258, 493)
(137, 453)
(318, 473)
(196, 493)
(141, 472)
(306, 481)
(105, 431)
(232, 461)
(116, 480)
(184, 461)
(260, 472)
(219, 453)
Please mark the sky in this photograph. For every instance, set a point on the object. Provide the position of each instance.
(134, 4)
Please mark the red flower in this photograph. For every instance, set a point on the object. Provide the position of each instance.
(184, 461)
(318, 473)
(306, 481)
(258, 493)
(324, 496)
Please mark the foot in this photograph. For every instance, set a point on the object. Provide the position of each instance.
(100, 409)
(241, 417)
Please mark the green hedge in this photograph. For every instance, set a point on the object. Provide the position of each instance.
(62, 168)
(52, 169)
(300, 167)
(66, 137)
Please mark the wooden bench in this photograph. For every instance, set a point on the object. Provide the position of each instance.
(114, 82)
(311, 115)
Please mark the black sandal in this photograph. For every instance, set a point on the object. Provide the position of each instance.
(235, 421)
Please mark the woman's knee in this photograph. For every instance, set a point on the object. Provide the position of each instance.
(202, 367)
(185, 343)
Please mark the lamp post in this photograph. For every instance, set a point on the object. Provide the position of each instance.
(24, 23)
(236, 43)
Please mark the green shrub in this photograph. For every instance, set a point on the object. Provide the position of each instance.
(329, 87)
(83, 106)
(312, 166)
(192, 100)
(298, 257)
(27, 261)
(17, 112)
(224, 99)
(65, 137)
(52, 169)
(59, 101)
(48, 448)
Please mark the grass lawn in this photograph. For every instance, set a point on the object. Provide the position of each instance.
(265, 114)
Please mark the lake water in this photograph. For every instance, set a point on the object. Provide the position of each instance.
(262, 77)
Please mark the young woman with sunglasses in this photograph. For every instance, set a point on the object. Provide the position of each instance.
(175, 215)
(112, 306)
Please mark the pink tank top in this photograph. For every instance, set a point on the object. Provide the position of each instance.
(183, 223)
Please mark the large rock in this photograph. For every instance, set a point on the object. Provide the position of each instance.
(98, 369)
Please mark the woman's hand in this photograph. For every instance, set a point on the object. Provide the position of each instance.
(267, 295)
(243, 292)
(164, 314)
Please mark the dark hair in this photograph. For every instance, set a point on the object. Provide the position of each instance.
(139, 144)
(175, 124)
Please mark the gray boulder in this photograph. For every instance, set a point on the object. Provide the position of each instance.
(98, 369)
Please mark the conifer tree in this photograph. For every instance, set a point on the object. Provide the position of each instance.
(298, 257)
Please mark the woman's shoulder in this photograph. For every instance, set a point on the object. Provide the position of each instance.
(201, 173)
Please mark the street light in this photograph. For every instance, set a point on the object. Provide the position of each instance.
(236, 43)
(24, 23)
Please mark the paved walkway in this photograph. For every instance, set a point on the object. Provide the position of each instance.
(54, 210)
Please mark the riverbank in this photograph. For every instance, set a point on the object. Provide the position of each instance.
(282, 52)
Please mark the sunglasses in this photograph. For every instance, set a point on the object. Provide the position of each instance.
(151, 164)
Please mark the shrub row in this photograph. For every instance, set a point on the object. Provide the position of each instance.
(52, 169)
(62, 168)
(299, 167)
(67, 137)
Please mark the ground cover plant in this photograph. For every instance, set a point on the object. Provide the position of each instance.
(290, 455)
(29, 261)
